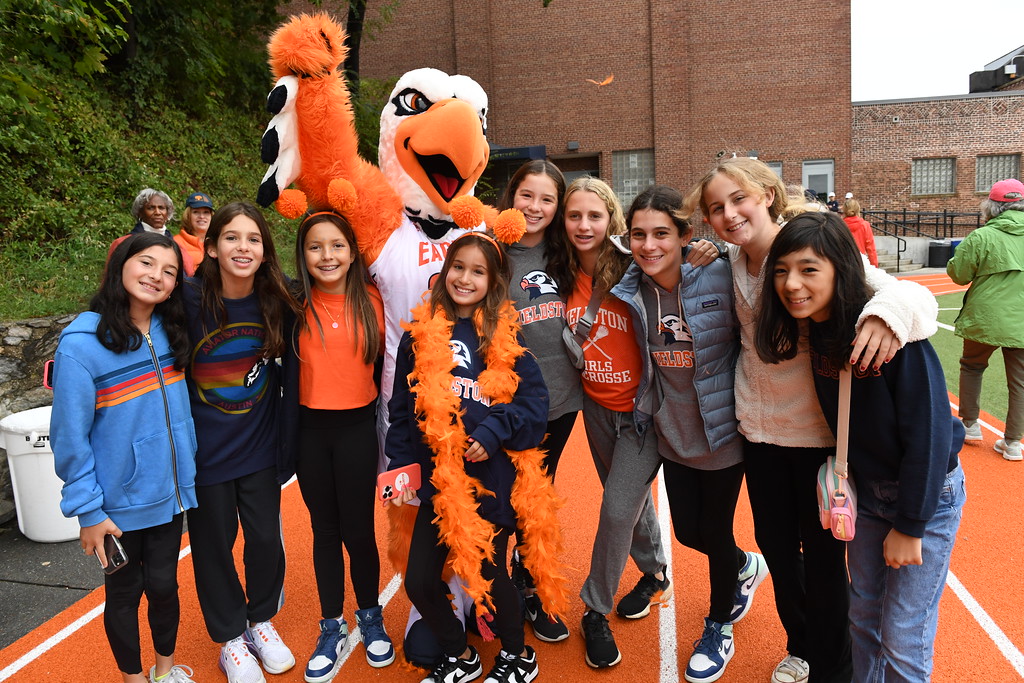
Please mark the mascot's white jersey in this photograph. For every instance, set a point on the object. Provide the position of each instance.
(403, 272)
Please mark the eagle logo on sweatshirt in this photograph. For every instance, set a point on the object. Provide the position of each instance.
(460, 354)
(538, 283)
(674, 329)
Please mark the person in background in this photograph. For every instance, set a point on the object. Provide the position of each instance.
(832, 203)
(991, 260)
(152, 211)
(860, 229)
(195, 220)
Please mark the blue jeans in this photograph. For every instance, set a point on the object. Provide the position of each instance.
(894, 613)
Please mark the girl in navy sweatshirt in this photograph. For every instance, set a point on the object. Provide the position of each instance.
(469, 405)
(124, 444)
(237, 306)
(902, 451)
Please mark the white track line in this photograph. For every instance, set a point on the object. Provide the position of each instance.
(667, 616)
(69, 630)
(1009, 650)
(54, 640)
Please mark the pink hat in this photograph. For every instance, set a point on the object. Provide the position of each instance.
(1009, 190)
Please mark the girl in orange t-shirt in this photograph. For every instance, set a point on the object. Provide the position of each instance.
(337, 342)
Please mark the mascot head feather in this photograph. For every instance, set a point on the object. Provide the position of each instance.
(307, 46)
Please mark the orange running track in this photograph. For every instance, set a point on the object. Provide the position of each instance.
(981, 627)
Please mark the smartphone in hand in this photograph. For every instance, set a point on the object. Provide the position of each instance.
(116, 556)
(393, 482)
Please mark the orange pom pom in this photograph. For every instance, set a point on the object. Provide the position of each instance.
(342, 196)
(510, 226)
(466, 211)
(291, 204)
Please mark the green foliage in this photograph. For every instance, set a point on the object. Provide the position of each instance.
(68, 35)
(196, 54)
(366, 107)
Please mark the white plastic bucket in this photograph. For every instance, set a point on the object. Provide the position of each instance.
(36, 486)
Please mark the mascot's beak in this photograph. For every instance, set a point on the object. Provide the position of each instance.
(443, 150)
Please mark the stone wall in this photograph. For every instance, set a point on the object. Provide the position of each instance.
(25, 345)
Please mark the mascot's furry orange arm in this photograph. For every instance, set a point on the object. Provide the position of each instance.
(312, 139)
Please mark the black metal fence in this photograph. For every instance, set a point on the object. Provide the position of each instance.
(936, 225)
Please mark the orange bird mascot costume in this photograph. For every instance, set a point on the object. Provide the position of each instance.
(405, 214)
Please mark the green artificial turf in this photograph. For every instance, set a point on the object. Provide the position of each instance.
(994, 395)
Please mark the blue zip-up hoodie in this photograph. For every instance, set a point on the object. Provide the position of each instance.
(710, 315)
(121, 430)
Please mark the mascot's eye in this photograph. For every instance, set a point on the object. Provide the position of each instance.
(410, 102)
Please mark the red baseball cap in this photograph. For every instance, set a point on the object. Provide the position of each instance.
(1010, 190)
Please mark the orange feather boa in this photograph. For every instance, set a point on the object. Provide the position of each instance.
(469, 536)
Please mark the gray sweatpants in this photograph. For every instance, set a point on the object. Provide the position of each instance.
(628, 526)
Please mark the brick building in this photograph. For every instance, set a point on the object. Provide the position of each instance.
(692, 78)
(937, 153)
(696, 78)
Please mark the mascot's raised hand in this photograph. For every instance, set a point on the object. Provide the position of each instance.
(311, 140)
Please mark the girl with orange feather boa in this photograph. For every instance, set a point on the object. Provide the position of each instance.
(470, 406)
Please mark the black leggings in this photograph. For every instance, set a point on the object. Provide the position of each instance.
(559, 430)
(337, 471)
(703, 504)
(152, 569)
(808, 565)
(425, 589)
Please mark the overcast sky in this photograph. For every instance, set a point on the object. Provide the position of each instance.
(922, 48)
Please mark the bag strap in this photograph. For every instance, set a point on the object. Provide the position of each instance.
(584, 324)
(843, 426)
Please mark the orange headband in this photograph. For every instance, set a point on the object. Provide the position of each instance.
(484, 235)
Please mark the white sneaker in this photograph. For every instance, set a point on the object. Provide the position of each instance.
(973, 431)
(1009, 449)
(791, 670)
(238, 664)
(177, 674)
(268, 647)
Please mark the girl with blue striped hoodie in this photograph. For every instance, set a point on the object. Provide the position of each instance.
(124, 444)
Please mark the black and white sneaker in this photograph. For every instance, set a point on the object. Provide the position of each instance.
(455, 670)
(509, 668)
(546, 628)
(648, 591)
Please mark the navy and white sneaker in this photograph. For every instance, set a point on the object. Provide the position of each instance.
(326, 658)
(711, 653)
(379, 650)
(510, 668)
(455, 670)
(753, 573)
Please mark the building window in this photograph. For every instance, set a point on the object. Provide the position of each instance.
(933, 176)
(992, 169)
(775, 166)
(633, 172)
(819, 176)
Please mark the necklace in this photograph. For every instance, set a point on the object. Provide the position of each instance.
(334, 322)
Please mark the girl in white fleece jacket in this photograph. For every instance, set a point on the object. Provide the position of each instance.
(786, 437)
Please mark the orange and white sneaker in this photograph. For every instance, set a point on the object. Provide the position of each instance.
(266, 644)
(238, 664)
